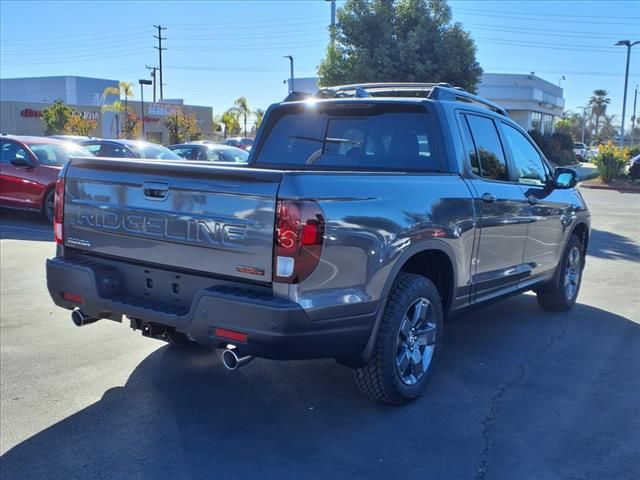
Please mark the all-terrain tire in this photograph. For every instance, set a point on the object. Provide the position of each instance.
(379, 379)
(554, 296)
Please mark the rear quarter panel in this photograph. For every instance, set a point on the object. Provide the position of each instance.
(372, 220)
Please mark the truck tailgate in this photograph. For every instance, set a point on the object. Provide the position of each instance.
(176, 214)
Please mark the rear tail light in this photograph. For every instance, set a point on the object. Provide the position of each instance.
(58, 212)
(299, 237)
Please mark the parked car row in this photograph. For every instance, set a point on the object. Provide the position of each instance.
(29, 166)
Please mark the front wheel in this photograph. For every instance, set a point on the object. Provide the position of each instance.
(562, 292)
(407, 344)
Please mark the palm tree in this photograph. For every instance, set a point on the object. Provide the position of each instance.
(259, 113)
(608, 130)
(598, 103)
(241, 105)
(230, 121)
(124, 89)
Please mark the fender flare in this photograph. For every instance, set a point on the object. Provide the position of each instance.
(431, 244)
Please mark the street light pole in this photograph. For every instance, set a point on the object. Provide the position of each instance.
(584, 120)
(142, 83)
(633, 117)
(628, 44)
(291, 61)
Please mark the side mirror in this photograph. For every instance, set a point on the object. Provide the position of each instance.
(20, 162)
(564, 178)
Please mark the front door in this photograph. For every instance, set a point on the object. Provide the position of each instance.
(548, 209)
(19, 185)
(502, 208)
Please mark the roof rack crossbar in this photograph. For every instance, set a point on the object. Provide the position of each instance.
(435, 91)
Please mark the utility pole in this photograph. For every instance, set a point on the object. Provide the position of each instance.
(153, 75)
(332, 28)
(160, 49)
(628, 44)
(142, 83)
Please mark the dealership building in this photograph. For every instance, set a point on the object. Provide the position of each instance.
(23, 99)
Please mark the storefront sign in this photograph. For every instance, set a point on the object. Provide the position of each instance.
(29, 113)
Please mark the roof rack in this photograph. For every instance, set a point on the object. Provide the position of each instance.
(433, 91)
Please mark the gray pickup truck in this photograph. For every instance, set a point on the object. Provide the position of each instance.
(365, 216)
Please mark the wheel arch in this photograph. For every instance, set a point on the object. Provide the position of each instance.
(411, 261)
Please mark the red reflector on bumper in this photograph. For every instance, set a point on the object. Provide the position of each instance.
(72, 297)
(230, 335)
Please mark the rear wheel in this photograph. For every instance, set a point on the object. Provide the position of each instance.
(407, 344)
(561, 294)
(47, 205)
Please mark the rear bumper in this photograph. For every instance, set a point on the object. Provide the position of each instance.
(276, 328)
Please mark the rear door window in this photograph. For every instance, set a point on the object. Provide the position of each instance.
(492, 161)
(385, 137)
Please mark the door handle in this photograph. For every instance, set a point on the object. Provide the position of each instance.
(488, 197)
(533, 200)
(155, 190)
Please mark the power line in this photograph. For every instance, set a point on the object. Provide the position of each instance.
(48, 39)
(545, 15)
(160, 49)
(500, 15)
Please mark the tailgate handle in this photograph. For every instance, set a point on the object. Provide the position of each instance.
(156, 190)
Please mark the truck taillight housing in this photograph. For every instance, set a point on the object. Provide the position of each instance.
(299, 236)
(58, 212)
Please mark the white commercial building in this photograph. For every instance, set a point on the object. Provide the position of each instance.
(532, 102)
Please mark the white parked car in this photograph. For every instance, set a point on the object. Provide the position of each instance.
(580, 149)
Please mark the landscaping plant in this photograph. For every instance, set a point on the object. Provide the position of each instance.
(610, 161)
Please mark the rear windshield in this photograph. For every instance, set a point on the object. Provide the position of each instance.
(369, 137)
(157, 152)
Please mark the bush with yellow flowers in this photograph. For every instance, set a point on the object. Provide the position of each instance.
(610, 160)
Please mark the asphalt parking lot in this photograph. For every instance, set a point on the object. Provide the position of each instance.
(519, 393)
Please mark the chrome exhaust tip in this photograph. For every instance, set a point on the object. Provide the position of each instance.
(80, 319)
(232, 361)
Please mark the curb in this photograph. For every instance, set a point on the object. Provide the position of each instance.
(603, 187)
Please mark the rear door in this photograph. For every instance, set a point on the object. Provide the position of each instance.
(217, 220)
(504, 212)
(548, 208)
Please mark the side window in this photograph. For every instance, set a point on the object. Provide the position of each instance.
(213, 156)
(493, 165)
(11, 151)
(184, 152)
(529, 167)
(93, 148)
(470, 147)
(114, 151)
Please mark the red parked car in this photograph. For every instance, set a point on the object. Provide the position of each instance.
(29, 168)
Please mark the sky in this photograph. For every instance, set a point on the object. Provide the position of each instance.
(218, 51)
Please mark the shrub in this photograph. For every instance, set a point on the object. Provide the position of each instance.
(633, 151)
(610, 160)
(557, 147)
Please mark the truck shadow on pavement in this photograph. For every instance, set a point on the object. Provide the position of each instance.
(611, 246)
(23, 225)
(518, 390)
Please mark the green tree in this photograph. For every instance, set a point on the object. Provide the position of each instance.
(78, 125)
(571, 124)
(230, 121)
(259, 114)
(56, 117)
(123, 91)
(131, 126)
(241, 105)
(181, 126)
(400, 40)
(598, 103)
